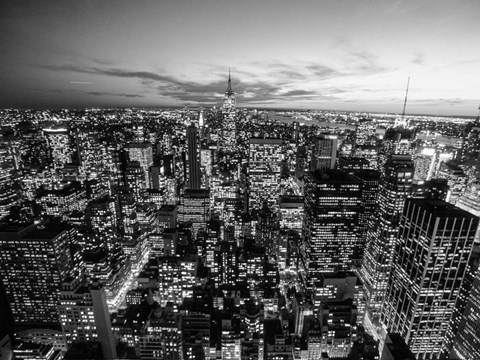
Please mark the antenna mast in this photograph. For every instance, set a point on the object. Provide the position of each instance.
(405, 102)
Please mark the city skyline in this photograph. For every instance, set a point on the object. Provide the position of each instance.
(345, 55)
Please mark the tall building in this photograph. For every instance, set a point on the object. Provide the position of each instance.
(59, 142)
(467, 340)
(193, 176)
(370, 180)
(324, 155)
(84, 315)
(229, 116)
(332, 205)
(33, 264)
(395, 187)
(141, 152)
(8, 193)
(265, 156)
(435, 240)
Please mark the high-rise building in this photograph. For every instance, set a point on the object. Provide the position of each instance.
(8, 193)
(33, 264)
(229, 116)
(193, 176)
(141, 152)
(366, 133)
(435, 240)
(265, 156)
(324, 155)
(395, 186)
(467, 339)
(370, 180)
(84, 315)
(332, 205)
(59, 142)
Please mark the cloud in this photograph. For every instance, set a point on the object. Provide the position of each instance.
(277, 82)
(100, 93)
(419, 59)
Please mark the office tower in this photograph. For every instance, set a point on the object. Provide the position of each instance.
(291, 209)
(457, 180)
(135, 179)
(435, 240)
(84, 315)
(467, 340)
(8, 194)
(58, 140)
(370, 180)
(33, 263)
(338, 322)
(176, 278)
(141, 152)
(395, 187)
(127, 205)
(266, 230)
(365, 133)
(424, 162)
(162, 338)
(332, 205)
(60, 199)
(353, 164)
(90, 153)
(195, 209)
(265, 156)
(193, 176)
(324, 155)
(301, 162)
(229, 116)
(101, 219)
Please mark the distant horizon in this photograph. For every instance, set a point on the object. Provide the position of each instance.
(238, 107)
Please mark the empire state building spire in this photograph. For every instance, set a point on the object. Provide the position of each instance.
(229, 88)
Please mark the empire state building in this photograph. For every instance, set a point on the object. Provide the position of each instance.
(229, 116)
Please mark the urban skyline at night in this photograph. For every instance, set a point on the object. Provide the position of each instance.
(239, 181)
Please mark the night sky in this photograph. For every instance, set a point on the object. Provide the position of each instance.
(344, 55)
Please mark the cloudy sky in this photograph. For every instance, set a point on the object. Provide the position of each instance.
(338, 54)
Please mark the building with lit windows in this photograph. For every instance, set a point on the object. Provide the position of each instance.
(395, 187)
(229, 116)
(192, 175)
(430, 261)
(84, 315)
(60, 199)
(332, 205)
(33, 264)
(8, 194)
(324, 154)
(195, 209)
(141, 152)
(265, 156)
(467, 341)
(59, 142)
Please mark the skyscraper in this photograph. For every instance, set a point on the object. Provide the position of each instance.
(394, 188)
(193, 179)
(33, 264)
(229, 116)
(324, 153)
(332, 205)
(435, 240)
(264, 171)
(84, 315)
